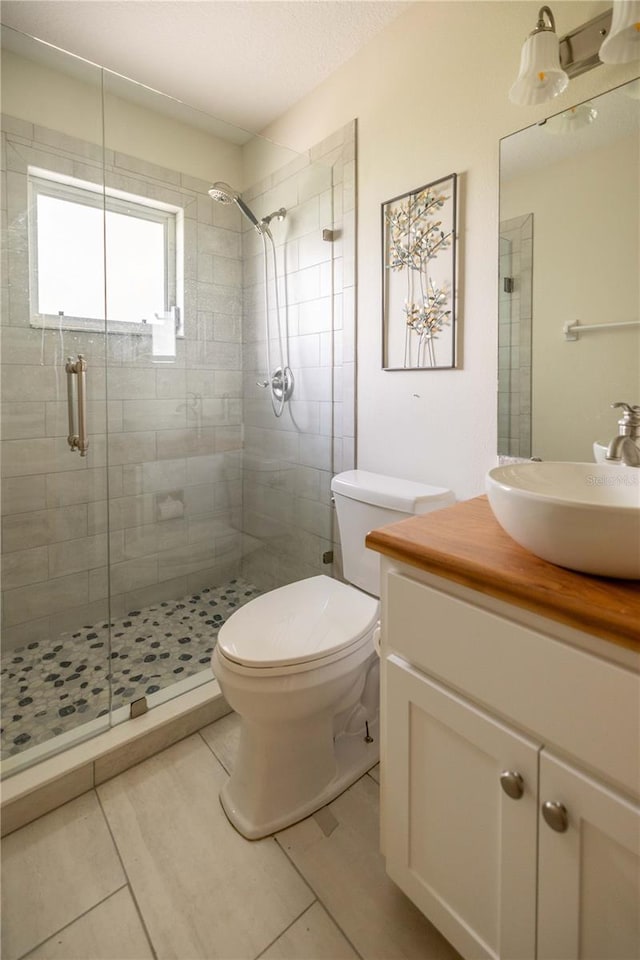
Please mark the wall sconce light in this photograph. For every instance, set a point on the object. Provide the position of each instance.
(541, 77)
(623, 43)
(546, 63)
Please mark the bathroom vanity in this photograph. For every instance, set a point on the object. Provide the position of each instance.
(511, 741)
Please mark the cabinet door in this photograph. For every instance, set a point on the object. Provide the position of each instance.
(589, 872)
(456, 843)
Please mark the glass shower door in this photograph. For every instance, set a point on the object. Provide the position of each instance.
(55, 627)
(174, 387)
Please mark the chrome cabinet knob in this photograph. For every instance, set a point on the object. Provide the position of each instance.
(512, 784)
(555, 815)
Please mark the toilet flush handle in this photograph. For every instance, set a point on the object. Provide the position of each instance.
(377, 637)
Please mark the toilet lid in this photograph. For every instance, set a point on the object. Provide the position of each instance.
(306, 620)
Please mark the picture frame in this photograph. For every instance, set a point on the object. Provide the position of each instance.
(419, 233)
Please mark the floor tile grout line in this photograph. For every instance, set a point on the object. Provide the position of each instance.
(66, 926)
(282, 932)
(295, 866)
(317, 899)
(212, 751)
(129, 883)
(317, 896)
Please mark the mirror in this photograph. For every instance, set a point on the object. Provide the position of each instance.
(569, 265)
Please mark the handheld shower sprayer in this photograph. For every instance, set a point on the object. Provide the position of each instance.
(221, 192)
(280, 382)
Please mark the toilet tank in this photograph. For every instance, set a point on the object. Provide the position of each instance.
(365, 501)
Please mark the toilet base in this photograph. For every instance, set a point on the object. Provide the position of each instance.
(354, 756)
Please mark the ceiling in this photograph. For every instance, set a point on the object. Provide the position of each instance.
(242, 61)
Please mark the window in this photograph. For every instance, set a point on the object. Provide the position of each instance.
(89, 246)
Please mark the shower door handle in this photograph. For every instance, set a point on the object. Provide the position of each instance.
(77, 399)
(83, 435)
(72, 436)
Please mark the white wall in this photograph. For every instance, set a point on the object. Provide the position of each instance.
(430, 96)
(137, 121)
(71, 104)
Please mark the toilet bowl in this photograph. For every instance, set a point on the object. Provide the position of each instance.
(299, 666)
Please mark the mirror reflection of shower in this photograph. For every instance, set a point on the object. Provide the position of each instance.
(279, 380)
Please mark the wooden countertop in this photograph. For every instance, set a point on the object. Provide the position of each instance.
(465, 543)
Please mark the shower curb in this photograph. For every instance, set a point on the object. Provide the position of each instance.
(29, 794)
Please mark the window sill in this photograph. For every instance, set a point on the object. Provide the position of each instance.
(79, 325)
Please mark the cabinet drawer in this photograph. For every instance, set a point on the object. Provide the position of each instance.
(565, 696)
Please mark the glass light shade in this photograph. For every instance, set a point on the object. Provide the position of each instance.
(571, 120)
(541, 77)
(623, 43)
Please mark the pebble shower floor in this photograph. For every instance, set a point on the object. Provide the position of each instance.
(49, 687)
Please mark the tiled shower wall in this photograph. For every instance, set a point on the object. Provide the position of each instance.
(175, 430)
(289, 524)
(514, 336)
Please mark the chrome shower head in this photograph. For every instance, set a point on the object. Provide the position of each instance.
(221, 192)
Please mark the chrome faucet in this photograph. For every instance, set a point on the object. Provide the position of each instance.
(625, 448)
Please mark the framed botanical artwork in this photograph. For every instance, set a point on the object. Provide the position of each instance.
(419, 278)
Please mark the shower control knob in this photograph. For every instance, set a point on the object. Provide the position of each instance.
(262, 383)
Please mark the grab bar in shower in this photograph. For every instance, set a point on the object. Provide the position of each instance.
(572, 330)
(77, 402)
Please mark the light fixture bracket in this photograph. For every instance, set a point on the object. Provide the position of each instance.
(579, 48)
(541, 25)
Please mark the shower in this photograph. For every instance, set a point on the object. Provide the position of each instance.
(279, 380)
(119, 569)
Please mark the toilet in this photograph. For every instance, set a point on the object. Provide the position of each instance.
(299, 666)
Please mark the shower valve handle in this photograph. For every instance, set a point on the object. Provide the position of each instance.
(262, 383)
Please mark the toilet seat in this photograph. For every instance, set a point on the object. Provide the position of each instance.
(295, 626)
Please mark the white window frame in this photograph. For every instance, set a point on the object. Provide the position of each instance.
(61, 186)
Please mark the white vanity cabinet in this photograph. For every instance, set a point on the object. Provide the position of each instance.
(485, 721)
(457, 845)
(589, 875)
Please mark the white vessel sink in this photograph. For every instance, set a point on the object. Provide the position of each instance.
(600, 452)
(585, 516)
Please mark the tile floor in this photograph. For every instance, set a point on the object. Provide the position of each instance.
(49, 687)
(147, 865)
